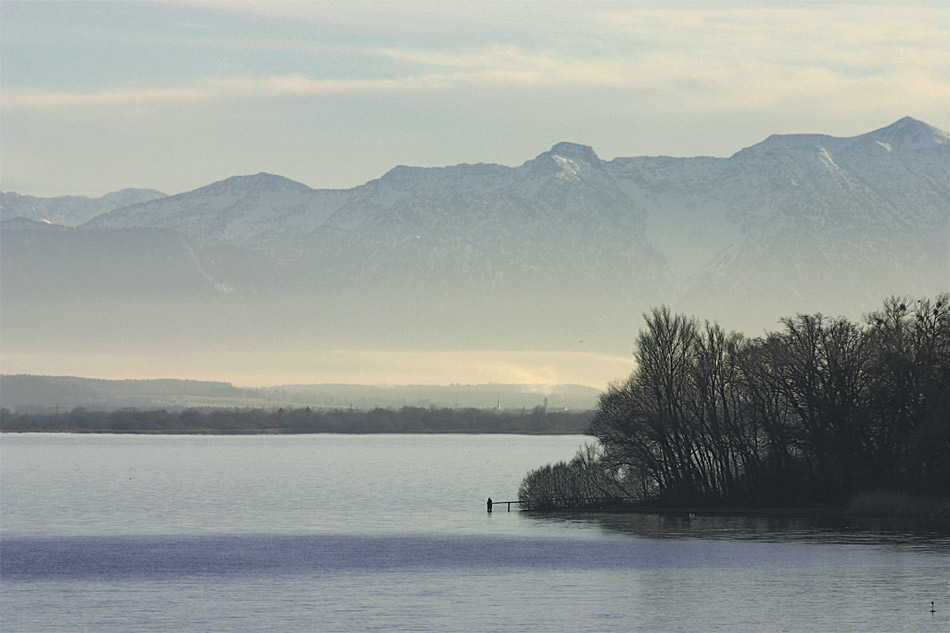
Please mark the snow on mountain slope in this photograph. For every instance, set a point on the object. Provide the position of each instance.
(261, 210)
(890, 179)
(557, 221)
(832, 223)
(794, 223)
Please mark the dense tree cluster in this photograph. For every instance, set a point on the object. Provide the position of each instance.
(811, 414)
(305, 420)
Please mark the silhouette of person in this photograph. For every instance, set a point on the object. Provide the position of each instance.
(489, 504)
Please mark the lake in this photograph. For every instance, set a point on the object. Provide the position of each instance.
(389, 533)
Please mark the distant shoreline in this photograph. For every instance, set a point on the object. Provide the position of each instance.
(537, 421)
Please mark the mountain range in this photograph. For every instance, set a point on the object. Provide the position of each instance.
(565, 249)
(69, 210)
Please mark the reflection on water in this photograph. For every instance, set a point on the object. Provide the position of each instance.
(379, 533)
(669, 577)
(932, 534)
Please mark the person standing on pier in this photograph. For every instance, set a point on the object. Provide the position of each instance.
(489, 505)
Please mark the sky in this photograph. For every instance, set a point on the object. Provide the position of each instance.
(174, 95)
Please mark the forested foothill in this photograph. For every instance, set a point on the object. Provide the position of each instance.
(300, 420)
(821, 413)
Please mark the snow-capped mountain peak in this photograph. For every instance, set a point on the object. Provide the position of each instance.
(244, 185)
(566, 162)
(237, 210)
(909, 134)
(575, 152)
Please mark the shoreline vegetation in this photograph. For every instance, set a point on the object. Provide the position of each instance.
(879, 504)
(216, 421)
(823, 414)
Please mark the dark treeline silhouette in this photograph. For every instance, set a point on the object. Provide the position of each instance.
(812, 414)
(305, 420)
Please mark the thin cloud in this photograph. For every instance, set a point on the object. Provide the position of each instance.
(52, 100)
(722, 59)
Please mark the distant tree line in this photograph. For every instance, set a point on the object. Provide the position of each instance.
(809, 415)
(303, 420)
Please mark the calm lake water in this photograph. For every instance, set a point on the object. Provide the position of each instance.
(389, 533)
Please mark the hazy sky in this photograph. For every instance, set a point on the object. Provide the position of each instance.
(173, 95)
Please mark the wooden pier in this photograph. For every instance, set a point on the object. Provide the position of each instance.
(508, 503)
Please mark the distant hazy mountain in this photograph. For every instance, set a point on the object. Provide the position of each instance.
(69, 210)
(65, 392)
(561, 249)
(23, 392)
